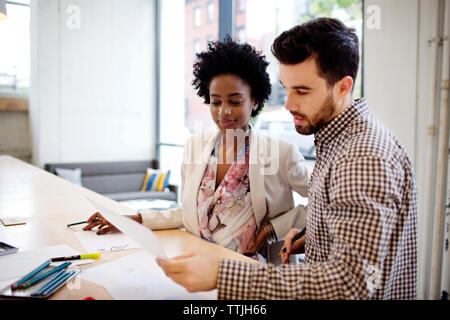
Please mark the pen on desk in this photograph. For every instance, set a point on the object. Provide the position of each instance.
(297, 236)
(81, 222)
(43, 276)
(77, 257)
(14, 286)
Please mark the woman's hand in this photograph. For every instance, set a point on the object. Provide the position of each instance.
(260, 240)
(292, 248)
(104, 226)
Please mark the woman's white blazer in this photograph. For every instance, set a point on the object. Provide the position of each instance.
(276, 168)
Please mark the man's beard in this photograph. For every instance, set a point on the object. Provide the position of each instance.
(319, 120)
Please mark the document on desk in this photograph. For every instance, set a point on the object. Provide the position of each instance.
(138, 277)
(112, 241)
(139, 233)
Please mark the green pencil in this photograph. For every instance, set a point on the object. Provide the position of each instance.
(81, 222)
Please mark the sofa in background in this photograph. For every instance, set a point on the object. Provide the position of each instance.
(118, 180)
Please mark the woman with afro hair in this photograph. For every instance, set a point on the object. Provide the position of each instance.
(237, 184)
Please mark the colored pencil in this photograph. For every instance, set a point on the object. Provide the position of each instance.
(58, 283)
(81, 222)
(28, 276)
(38, 279)
(49, 283)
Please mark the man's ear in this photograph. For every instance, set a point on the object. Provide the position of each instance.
(343, 87)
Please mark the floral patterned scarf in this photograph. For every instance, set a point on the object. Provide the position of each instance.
(226, 214)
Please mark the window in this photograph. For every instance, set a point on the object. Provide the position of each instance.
(210, 10)
(210, 38)
(15, 57)
(240, 5)
(240, 34)
(197, 48)
(181, 112)
(197, 17)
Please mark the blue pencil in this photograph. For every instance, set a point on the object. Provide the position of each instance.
(43, 276)
(30, 275)
(58, 283)
(49, 283)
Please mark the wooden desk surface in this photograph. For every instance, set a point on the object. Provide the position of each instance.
(49, 203)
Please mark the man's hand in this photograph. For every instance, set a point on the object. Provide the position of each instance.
(292, 248)
(193, 271)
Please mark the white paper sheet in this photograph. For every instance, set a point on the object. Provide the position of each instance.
(18, 264)
(114, 241)
(139, 233)
(138, 277)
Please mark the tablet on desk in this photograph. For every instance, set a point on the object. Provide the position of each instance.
(7, 249)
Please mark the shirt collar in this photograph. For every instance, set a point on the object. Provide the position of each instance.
(333, 128)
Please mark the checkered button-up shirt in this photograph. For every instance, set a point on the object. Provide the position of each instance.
(361, 240)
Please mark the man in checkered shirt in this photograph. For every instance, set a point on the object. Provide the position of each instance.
(361, 238)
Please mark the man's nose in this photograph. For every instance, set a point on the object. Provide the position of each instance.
(290, 103)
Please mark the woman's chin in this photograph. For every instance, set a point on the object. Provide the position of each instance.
(229, 126)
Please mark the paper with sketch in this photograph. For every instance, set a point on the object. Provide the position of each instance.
(113, 241)
(138, 277)
(19, 264)
(139, 233)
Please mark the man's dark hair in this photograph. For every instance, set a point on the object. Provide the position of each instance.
(334, 46)
(240, 59)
